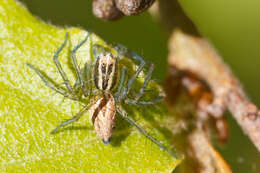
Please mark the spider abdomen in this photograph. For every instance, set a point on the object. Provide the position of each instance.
(103, 116)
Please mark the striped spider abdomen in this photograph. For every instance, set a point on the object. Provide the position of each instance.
(103, 116)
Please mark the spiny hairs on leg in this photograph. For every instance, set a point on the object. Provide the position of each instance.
(70, 91)
(131, 82)
(135, 102)
(143, 132)
(124, 92)
(120, 85)
(146, 81)
(59, 67)
(73, 119)
(124, 51)
(46, 81)
(75, 64)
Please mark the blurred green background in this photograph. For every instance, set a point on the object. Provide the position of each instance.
(232, 26)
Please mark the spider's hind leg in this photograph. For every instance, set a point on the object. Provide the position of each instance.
(142, 90)
(73, 119)
(135, 102)
(124, 115)
(146, 81)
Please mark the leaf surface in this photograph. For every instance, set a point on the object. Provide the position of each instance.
(29, 110)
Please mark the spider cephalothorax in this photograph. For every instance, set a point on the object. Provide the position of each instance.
(105, 74)
(112, 89)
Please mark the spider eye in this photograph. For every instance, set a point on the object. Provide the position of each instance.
(103, 68)
(110, 68)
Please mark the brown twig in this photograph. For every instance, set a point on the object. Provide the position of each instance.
(202, 98)
(196, 55)
(201, 157)
(189, 52)
(209, 160)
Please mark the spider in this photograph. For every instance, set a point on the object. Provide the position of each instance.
(111, 89)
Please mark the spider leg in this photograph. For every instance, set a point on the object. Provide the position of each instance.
(73, 119)
(124, 115)
(98, 49)
(146, 81)
(136, 57)
(131, 81)
(121, 83)
(58, 65)
(76, 66)
(142, 90)
(136, 102)
(76, 85)
(87, 78)
(47, 82)
(124, 51)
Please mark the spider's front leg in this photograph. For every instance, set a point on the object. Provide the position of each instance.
(125, 91)
(123, 51)
(59, 67)
(142, 90)
(124, 115)
(123, 74)
(69, 93)
(77, 68)
(48, 82)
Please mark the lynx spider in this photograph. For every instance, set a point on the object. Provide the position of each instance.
(104, 107)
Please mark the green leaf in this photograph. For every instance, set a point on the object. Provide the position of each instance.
(29, 110)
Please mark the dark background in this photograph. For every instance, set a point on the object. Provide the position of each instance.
(232, 26)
